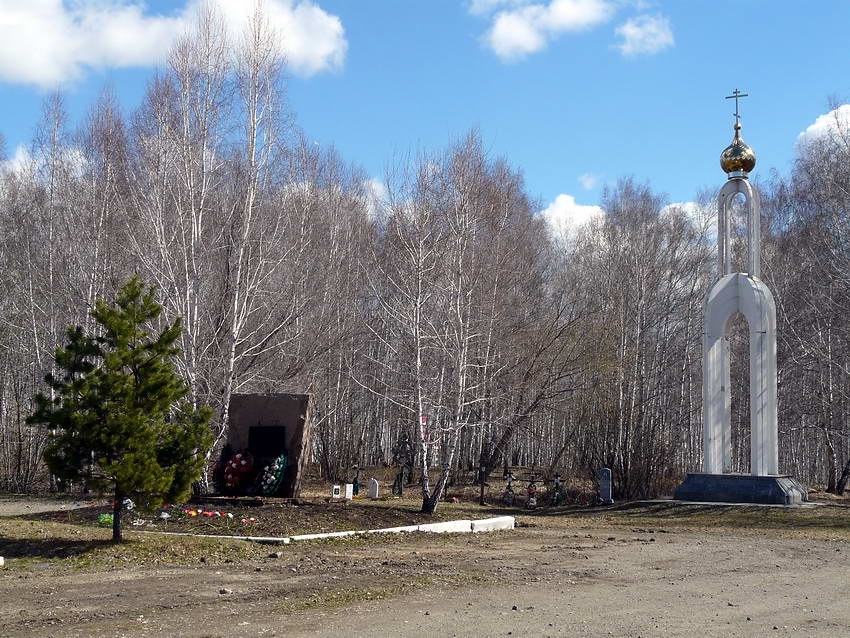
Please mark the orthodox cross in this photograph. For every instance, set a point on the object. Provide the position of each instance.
(737, 94)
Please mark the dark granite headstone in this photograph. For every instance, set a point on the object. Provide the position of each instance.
(605, 491)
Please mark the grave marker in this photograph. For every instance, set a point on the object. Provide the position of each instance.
(374, 489)
(604, 475)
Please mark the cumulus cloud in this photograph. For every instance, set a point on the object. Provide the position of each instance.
(837, 121)
(645, 35)
(565, 215)
(701, 216)
(588, 181)
(20, 162)
(51, 42)
(376, 197)
(526, 28)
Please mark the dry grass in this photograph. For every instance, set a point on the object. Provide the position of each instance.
(72, 539)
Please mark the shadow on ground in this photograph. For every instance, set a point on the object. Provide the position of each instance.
(48, 548)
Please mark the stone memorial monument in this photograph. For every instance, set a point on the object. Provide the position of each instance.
(745, 293)
(263, 429)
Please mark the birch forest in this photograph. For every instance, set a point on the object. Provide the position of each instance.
(443, 307)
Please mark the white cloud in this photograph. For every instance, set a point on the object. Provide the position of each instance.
(564, 214)
(312, 39)
(20, 162)
(24, 164)
(701, 216)
(50, 42)
(588, 181)
(836, 121)
(528, 28)
(377, 197)
(645, 35)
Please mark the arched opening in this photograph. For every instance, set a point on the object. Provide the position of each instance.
(733, 294)
(738, 232)
(738, 338)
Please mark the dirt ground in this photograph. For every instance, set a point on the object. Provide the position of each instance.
(633, 570)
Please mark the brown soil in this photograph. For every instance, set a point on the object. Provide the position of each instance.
(656, 570)
(273, 518)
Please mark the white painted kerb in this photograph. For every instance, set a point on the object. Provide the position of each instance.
(447, 527)
(493, 524)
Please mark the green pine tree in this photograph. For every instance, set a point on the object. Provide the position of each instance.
(119, 418)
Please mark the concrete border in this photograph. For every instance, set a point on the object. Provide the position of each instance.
(446, 527)
(493, 524)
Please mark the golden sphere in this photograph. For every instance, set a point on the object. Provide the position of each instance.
(737, 156)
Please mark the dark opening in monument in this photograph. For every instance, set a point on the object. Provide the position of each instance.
(267, 441)
(739, 393)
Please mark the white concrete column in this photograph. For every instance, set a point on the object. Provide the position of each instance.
(758, 306)
(739, 292)
(722, 303)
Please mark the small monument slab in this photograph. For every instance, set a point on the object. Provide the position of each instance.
(374, 489)
(605, 490)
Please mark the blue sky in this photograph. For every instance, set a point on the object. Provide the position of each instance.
(575, 93)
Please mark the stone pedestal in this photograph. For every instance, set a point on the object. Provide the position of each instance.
(741, 488)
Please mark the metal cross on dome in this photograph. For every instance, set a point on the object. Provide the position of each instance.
(737, 94)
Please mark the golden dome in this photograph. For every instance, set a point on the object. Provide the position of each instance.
(737, 156)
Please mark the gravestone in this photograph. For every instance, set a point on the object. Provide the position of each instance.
(349, 491)
(374, 488)
(604, 475)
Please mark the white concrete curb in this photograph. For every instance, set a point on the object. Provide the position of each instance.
(394, 530)
(447, 527)
(493, 524)
(310, 537)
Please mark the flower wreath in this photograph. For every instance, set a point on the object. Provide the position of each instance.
(239, 464)
(273, 476)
